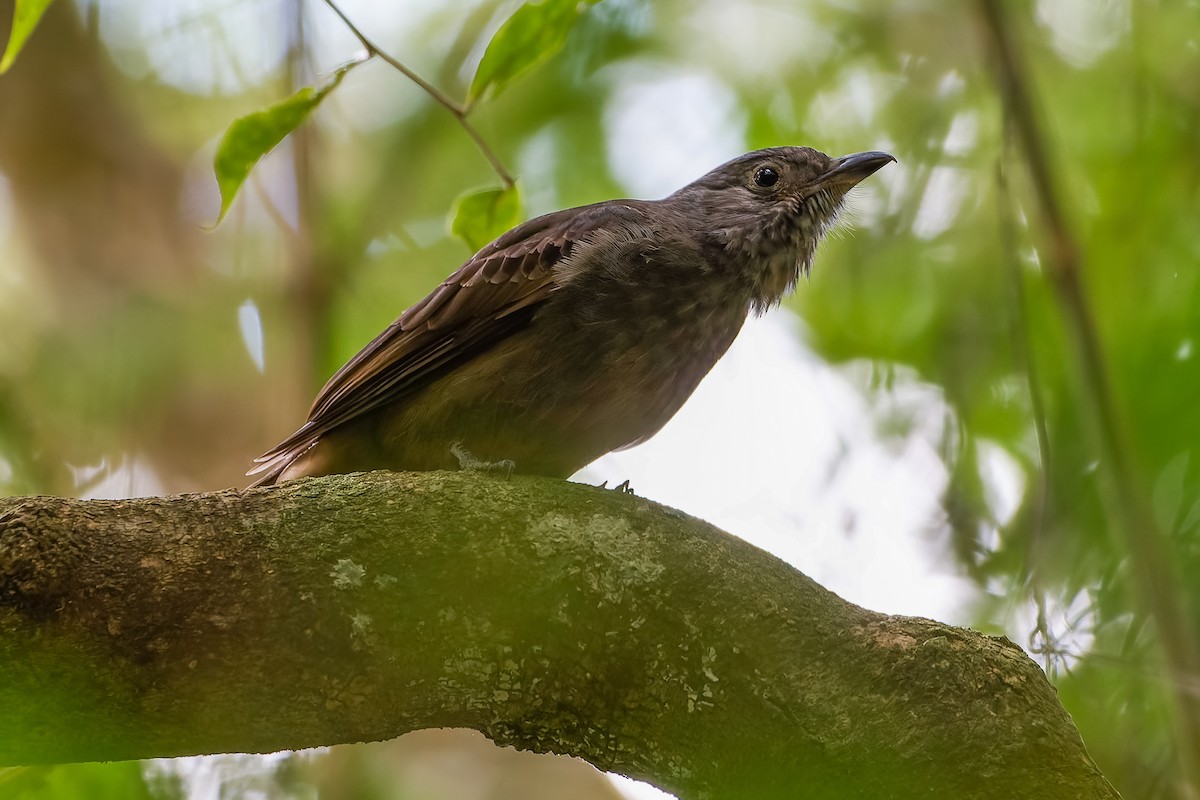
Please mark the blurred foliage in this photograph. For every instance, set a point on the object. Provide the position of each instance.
(117, 781)
(137, 355)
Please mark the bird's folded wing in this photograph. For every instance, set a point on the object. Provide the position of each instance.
(490, 297)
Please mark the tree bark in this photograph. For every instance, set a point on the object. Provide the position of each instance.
(549, 616)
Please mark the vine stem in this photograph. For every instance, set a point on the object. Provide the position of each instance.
(1143, 541)
(459, 111)
(1041, 640)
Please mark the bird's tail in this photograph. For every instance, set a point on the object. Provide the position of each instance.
(270, 466)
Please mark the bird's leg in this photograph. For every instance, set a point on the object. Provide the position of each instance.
(468, 461)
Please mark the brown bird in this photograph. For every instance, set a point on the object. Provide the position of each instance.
(576, 333)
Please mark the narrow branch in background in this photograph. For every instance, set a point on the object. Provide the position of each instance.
(459, 111)
(1143, 541)
(286, 228)
(311, 284)
(1023, 350)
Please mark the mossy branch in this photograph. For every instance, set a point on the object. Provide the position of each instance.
(549, 616)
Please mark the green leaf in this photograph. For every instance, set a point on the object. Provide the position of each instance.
(480, 216)
(26, 14)
(251, 137)
(534, 33)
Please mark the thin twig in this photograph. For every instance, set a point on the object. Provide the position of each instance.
(458, 111)
(374, 50)
(1023, 352)
(1142, 538)
(269, 205)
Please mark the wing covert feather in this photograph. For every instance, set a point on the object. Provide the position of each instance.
(493, 294)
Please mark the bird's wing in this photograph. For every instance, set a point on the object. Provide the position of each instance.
(490, 297)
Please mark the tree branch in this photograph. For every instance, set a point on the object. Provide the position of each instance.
(550, 616)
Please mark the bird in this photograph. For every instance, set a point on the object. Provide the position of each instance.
(576, 333)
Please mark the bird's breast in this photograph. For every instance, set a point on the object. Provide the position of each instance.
(633, 361)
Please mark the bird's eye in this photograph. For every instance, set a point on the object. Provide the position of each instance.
(766, 177)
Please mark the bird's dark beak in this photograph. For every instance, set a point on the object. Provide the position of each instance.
(848, 170)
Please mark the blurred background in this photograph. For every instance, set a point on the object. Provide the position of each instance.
(916, 429)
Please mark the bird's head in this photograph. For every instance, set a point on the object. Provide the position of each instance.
(767, 210)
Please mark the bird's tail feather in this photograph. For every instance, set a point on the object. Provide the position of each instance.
(270, 466)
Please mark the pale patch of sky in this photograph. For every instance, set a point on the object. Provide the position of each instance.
(666, 127)
(637, 790)
(945, 192)
(1003, 489)
(1003, 481)
(1071, 620)
(864, 208)
(375, 95)
(1084, 30)
(227, 47)
(848, 108)
(221, 776)
(192, 45)
(755, 40)
(250, 326)
(12, 274)
(951, 85)
(895, 181)
(788, 453)
(199, 198)
(964, 130)
(537, 163)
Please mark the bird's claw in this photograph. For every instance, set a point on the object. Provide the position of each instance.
(469, 462)
(623, 487)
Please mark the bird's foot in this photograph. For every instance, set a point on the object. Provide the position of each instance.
(623, 487)
(468, 461)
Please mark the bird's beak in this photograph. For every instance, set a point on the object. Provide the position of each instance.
(847, 171)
